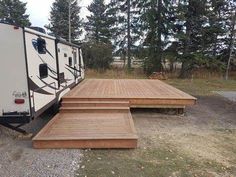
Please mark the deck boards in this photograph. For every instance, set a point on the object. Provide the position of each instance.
(87, 127)
(96, 113)
(140, 93)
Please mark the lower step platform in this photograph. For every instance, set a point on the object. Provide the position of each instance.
(88, 130)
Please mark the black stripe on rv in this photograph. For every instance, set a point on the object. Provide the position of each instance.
(62, 80)
(35, 88)
(73, 68)
(65, 80)
(49, 67)
(70, 71)
(53, 78)
(49, 53)
(48, 85)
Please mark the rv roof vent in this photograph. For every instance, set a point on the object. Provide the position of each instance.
(39, 29)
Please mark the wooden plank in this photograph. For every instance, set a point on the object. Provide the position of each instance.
(97, 109)
(95, 104)
(167, 101)
(137, 92)
(88, 130)
(83, 144)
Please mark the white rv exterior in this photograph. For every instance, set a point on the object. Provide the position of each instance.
(36, 70)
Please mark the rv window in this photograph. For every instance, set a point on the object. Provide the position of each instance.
(65, 55)
(43, 71)
(70, 61)
(41, 43)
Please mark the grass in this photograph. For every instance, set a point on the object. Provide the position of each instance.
(158, 161)
(203, 87)
(115, 73)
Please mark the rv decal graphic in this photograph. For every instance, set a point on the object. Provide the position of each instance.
(71, 72)
(35, 45)
(53, 78)
(73, 68)
(61, 80)
(49, 67)
(50, 86)
(49, 53)
(35, 88)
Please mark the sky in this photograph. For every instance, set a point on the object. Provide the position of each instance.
(39, 10)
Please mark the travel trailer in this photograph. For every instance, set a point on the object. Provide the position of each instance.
(36, 70)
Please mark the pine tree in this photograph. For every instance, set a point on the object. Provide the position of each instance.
(190, 27)
(59, 19)
(127, 26)
(215, 29)
(155, 16)
(201, 31)
(14, 12)
(99, 22)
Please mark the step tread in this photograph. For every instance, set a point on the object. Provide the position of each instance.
(88, 130)
(107, 108)
(97, 102)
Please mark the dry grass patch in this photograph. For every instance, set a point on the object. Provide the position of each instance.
(203, 87)
(115, 73)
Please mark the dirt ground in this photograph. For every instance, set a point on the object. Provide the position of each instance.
(200, 143)
(19, 159)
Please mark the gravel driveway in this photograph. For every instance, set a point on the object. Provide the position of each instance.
(230, 95)
(19, 159)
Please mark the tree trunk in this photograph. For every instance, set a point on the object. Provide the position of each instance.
(128, 35)
(231, 45)
(158, 63)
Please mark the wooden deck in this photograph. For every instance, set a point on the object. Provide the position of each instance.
(88, 130)
(140, 93)
(96, 113)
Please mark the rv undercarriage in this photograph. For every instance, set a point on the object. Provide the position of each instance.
(14, 123)
(15, 128)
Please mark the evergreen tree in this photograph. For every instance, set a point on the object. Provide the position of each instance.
(197, 33)
(155, 16)
(201, 27)
(98, 55)
(190, 26)
(127, 27)
(59, 19)
(99, 22)
(14, 12)
(215, 30)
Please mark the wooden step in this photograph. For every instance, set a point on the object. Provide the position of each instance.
(94, 109)
(88, 130)
(94, 99)
(95, 104)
